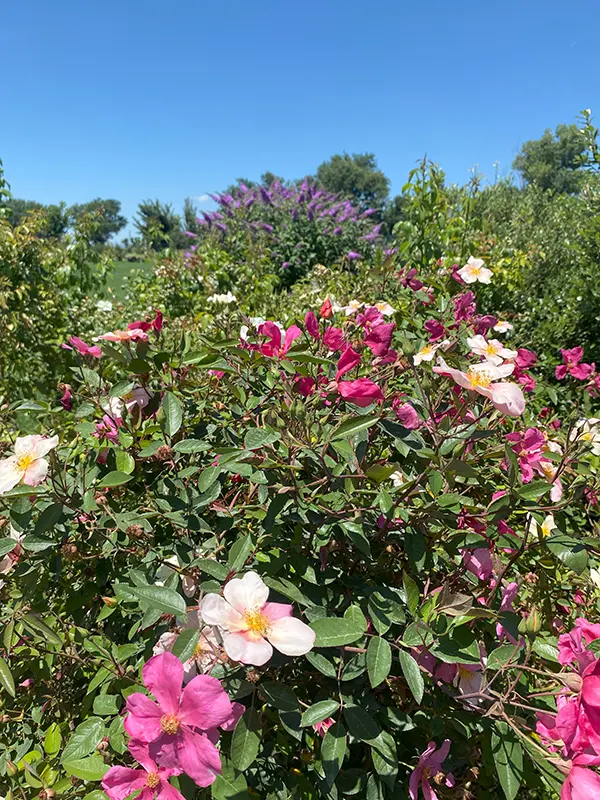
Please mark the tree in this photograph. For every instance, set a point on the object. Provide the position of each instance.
(554, 161)
(18, 209)
(159, 225)
(109, 219)
(355, 176)
(394, 211)
(57, 218)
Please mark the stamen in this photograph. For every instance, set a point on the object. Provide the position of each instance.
(169, 723)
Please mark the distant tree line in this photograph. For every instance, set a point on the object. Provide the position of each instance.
(554, 162)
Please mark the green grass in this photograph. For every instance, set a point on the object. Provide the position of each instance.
(118, 280)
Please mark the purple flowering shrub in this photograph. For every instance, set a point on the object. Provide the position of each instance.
(347, 553)
(299, 227)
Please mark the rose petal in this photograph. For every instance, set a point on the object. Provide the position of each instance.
(247, 593)
(163, 676)
(291, 636)
(247, 651)
(204, 703)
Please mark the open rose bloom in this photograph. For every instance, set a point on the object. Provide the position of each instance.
(28, 464)
(251, 626)
(486, 379)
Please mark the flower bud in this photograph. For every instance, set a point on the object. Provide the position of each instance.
(531, 623)
(571, 680)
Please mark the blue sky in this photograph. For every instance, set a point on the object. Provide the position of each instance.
(131, 99)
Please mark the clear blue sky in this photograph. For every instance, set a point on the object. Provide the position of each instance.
(132, 99)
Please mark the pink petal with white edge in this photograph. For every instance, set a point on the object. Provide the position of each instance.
(143, 720)
(246, 593)
(163, 676)
(10, 476)
(120, 782)
(291, 636)
(36, 473)
(199, 758)
(217, 611)
(273, 611)
(239, 648)
(204, 703)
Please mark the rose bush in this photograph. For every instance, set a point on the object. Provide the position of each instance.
(344, 553)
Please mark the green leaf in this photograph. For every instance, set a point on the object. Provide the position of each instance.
(534, 490)
(508, 758)
(412, 673)
(335, 632)
(318, 712)
(546, 649)
(185, 644)
(7, 545)
(361, 724)
(191, 446)
(379, 660)
(279, 695)
(240, 550)
(256, 438)
(125, 463)
(208, 477)
(569, 551)
(106, 705)
(84, 739)
(40, 630)
(6, 679)
(350, 427)
(173, 410)
(245, 741)
(230, 784)
(52, 740)
(502, 656)
(160, 598)
(411, 590)
(333, 751)
(385, 759)
(115, 478)
(92, 768)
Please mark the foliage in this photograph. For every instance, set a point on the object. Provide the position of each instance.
(553, 161)
(405, 531)
(355, 176)
(108, 215)
(158, 225)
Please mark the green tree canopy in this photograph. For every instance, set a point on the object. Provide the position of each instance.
(158, 225)
(355, 176)
(109, 219)
(554, 160)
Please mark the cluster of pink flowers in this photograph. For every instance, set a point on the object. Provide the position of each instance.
(574, 731)
(175, 733)
(531, 449)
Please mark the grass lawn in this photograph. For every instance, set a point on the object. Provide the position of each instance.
(122, 271)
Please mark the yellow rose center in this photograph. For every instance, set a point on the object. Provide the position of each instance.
(427, 350)
(24, 462)
(152, 780)
(547, 528)
(479, 378)
(257, 622)
(490, 349)
(200, 649)
(169, 723)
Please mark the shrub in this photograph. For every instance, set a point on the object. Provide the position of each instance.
(433, 532)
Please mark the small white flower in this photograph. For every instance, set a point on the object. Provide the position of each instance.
(104, 305)
(385, 308)
(595, 577)
(492, 350)
(222, 299)
(546, 528)
(474, 271)
(427, 352)
(352, 307)
(588, 431)
(397, 478)
(503, 326)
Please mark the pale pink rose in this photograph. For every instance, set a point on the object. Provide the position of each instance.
(492, 350)
(251, 626)
(28, 464)
(474, 271)
(130, 335)
(506, 397)
(206, 654)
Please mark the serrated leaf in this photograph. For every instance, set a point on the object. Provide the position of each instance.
(52, 740)
(361, 724)
(114, 478)
(503, 655)
(508, 758)
(240, 550)
(335, 631)
(124, 462)
(84, 739)
(92, 768)
(173, 411)
(185, 644)
(208, 477)
(279, 695)
(229, 784)
(7, 545)
(40, 630)
(256, 438)
(191, 446)
(412, 674)
(160, 598)
(411, 590)
(106, 705)
(318, 712)
(379, 660)
(245, 741)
